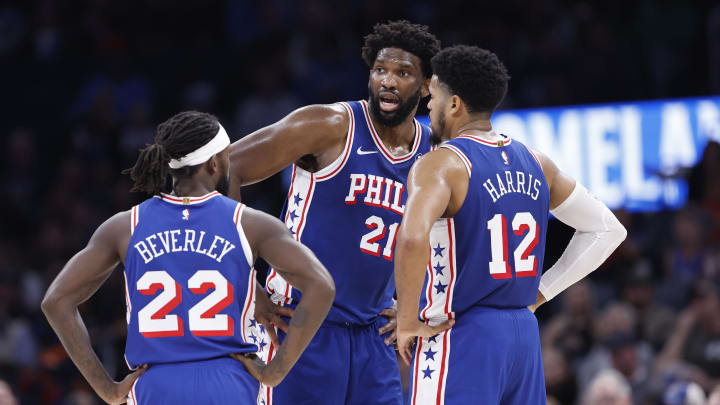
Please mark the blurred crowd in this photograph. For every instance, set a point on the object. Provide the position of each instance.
(84, 84)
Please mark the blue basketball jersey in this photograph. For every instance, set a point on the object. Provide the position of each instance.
(348, 214)
(490, 254)
(189, 281)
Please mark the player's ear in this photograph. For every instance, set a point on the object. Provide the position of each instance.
(213, 164)
(425, 88)
(455, 105)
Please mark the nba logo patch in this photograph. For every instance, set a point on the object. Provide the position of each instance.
(505, 158)
(186, 214)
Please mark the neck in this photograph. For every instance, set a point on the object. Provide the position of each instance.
(191, 187)
(472, 126)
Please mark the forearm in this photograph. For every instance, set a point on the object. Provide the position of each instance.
(70, 328)
(598, 234)
(308, 316)
(410, 263)
(673, 349)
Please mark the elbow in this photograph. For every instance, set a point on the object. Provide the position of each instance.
(622, 233)
(54, 304)
(328, 288)
(48, 304)
(411, 242)
(324, 285)
(618, 232)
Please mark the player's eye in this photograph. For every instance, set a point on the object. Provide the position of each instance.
(404, 73)
(379, 69)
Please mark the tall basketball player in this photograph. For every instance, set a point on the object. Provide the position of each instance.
(190, 283)
(474, 229)
(347, 197)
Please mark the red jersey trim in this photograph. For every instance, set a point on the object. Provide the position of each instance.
(187, 200)
(334, 167)
(462, 156)
(485, 142)
(381, 146)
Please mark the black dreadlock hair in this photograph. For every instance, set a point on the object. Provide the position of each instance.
(176, 137)
(413, 38)
(474, 74)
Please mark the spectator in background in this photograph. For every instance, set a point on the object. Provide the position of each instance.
(6, 394)
(687, 258)
(270, 99)
(608, 388)
(18, 346)
(570, 331)
(618, 348)
(560, 381)
(693, 350)
(684, 393)
(654, 321)
(714, 398)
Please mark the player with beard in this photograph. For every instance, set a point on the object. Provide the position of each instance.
(190, 284)
(478, 209)
(346, 200)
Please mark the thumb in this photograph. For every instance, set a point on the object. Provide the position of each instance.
(129, 380)
(137, 373)
(240, 357)
(442, 326)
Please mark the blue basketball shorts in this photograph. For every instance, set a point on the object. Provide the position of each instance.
(343, 364)
(490, 357)
(217, 381)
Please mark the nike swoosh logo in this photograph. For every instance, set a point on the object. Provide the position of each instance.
(365, 152)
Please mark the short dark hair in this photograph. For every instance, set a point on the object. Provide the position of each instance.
(413, 38)
(178, 136)
(474, 74)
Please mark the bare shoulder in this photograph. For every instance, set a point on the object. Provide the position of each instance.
(549, 168)
(441, 164)
(438, 162)
(559, 183)
(114, 233)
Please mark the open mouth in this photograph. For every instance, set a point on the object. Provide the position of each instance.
(389, 102)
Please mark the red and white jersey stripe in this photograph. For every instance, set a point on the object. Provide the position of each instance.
(430, 370)
(441, 273)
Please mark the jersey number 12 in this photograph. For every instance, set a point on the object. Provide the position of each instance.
(525, 263)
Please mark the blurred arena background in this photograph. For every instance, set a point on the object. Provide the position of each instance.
(84, 83)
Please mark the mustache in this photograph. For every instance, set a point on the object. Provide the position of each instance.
(393, 92)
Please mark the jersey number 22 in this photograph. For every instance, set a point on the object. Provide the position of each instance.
(154, 321)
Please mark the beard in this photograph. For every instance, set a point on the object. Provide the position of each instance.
(437, 130)
(393, 118)
(223, 185)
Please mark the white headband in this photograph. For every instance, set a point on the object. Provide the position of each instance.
(205, 152)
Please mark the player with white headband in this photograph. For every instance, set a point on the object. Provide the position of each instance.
(190, 290)
(205, 152)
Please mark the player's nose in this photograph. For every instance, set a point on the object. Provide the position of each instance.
(388, 81)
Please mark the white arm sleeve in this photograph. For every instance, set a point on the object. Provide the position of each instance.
(597, 234)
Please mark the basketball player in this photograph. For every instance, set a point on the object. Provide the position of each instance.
(188, 260)
(475, 222)
(345, 203)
